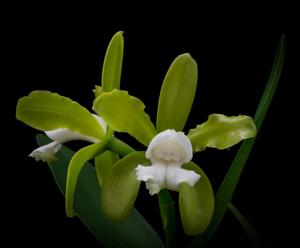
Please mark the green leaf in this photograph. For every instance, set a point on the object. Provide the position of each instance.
(47, 111)
(125, 113)
(112, 65)
(168, 216)
(104, 163)
(177, 94)
(196, 203)
(249, 229)
(132, 232)
(120, 186)
(221, 132)
(76, 164)
(231, 179)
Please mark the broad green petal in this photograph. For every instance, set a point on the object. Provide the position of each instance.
(221, 132)
(134, 231)
(77, 162)
(125, 113)
(112, 65)
(177, 94)
(47, 111)
(120, 186)
(196, 203)
(103, 163)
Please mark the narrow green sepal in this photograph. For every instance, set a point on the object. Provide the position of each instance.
(177, 94)
(112, 65)
(196, 203)
(76, 164)
(120, 186)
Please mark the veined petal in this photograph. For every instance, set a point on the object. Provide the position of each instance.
(170, 145)
(154, 176)
(63, 135)
(221, 131)
(47, 152)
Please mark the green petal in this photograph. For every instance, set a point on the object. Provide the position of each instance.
(125, 113)
(77, 162)
(103, 163)
(112, 65)
(46, 111)
(196, 203)
(221, 132)
(120, 186)
(177, 94)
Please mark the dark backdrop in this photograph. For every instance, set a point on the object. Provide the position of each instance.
(62, 49)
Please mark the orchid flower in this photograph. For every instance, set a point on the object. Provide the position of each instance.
(166, 164)
(169, 150)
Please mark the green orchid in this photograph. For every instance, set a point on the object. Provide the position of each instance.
(166, 164)
(169, 149)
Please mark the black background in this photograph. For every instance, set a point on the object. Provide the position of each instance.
(61, 49)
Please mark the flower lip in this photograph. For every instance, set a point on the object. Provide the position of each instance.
(170, 146)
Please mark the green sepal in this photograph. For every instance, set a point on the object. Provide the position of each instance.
(125, 113)
(44, 110)
(76, 164)
(196, 203)
(103, 163)
(112, 65)
(177, 94)
(221, 132)
(120, 186)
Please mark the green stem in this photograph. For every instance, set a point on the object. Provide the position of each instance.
(118, 146)
(168, 216)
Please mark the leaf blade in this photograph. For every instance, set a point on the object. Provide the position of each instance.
(248, 228)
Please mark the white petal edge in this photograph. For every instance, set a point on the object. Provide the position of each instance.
(63, 135)
(176, 176)
(154, 176)
(159, 176)
(47, 152)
